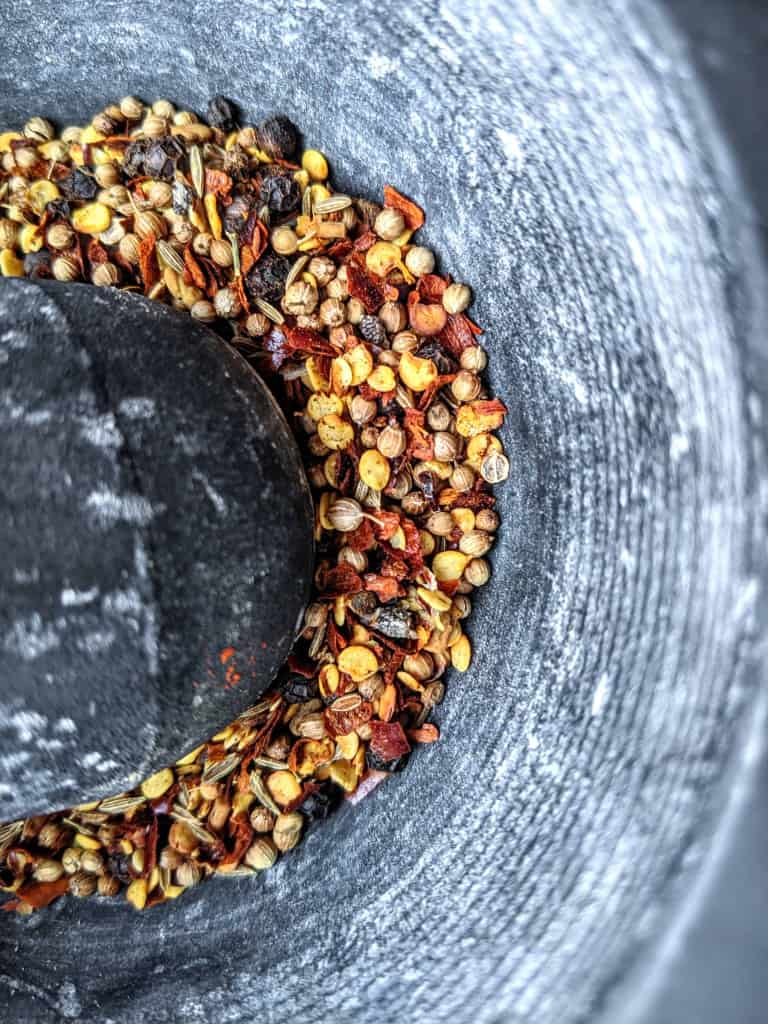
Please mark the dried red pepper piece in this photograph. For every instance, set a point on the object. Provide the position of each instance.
(304, 339)
(148, 266)
(388, 740)
(194, 272)
(457, 334)
(217, 182)
(412, 214)
(342, 723)
(259, 241)
(336, 642)
(340, 249)
(387, 524)
(386, 588)
(342, 579)
(361, 539)
(38, 894)
(96, 252)
(432, 286)
(365, 287)
(365, 241)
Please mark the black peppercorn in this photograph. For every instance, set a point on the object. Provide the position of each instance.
(237, 213)
(297, 689)
(58, 208)
(221, 113)
(379, 764)
(182, 198)
(267, 278)
(162, 156)
(322, 802)
(278, 137)
(373, 330)
(77, 185)
(434, 350)
(279, 191)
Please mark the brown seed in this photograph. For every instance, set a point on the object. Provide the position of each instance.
(257, 325)
(462, 478)
(389, 224)
(475, 543)
(188, 874)
(105, 275)
(38, 129)
(323, 269)
(465, 386)
(147, 222)
(495, 468)
(9, 232)
(456, 298)
(487, 519)
(357, 559)
(115, 197)
(477, 572)
(106, 175)
(371, 688)
(181, 838)
(420, 666)
(355, 311)
(108, 885)
(391, 442)
(279, 748)
(204, 311)
(53, 836)
(92, 862)
(48, 871)
(447, 446)
(415, 503)
(287, 831)
(131, 108)
(369, 437)
(219, 814)
(154, 126)
(128, 247)
(170, 859)
(474, 359)
(439, 416)
(311, 727)
(338, 288)
(300, 298)
(362, 410)
(463, 605)
(182, 230)
(201, 243)
(221, 252)
(405, 341)
(393, 316)
(82, 884)
(332, 312)
(70, 859)
(345, 515)
(65, 268)
(262, 820)
(262, 854)
(433, 693)
(440, 524)
(159, 194)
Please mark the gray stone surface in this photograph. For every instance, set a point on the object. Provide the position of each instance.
(572, 177)
(153, 513)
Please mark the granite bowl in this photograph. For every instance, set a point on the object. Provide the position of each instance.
(573, 176)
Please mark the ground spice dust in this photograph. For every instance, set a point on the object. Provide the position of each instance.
(375, 360)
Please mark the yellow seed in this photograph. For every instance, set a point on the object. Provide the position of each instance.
(464, 519)
(358, 662)
(374, 469)
(191, 756)
(480, 446)
(40, 193)
(344, 774)
(341, 374)
(284, 787)
(86, 842)
(6, 138)
(10, 264)
(416, 373)
(90, 806)
(449, 565)
(211, 210)
(340, 610)
(382, 379)
(196, 219)
(383, 257)
(397, 540)
(410, 681)
(404, 238)
(241, 802)
(361, 363)
(328, 680)
(136, 893)
(434, 599)
(347, 745)
(321, 404)
(461, 654)
(171, 892)
(322, 511)
(30, 239)
(76, 154)
(92, 219)
(302, 177)
(90, 135)
(316, 380)
(315, 164)
(157, 784)
(154, 879)
(335, 433)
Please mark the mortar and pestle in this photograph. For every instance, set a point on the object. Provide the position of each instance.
(524, 868)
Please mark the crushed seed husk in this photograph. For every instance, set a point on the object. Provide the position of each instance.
(378, 366)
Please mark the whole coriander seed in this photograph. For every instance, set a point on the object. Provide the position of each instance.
(92, 862)
(439, 416)
(159, 194)
(463, 605)
(163, 108)
(221, 252)
(203, 311)
(338, 288)
(201, 243)
(456, 298)
(153, 126)
(495, 468)
(105, 275)
(323, 269)
(257, 325)
(226, 304)
(82, 884)
(465, 386)
(25, 157)
(420, 260)
(147, 222)
(391, 442)
(261, 855)
(128, 247)
(48, 870)
(131, 108)
(108, 885)
(405, 341)
(345, 515)
(474, 359)
(104, 124)
(477, 572)
(440, 524)
(38, 129)
(300, 298)
(393, 316)
(70, 859)
(106, 175)
(462, 478)
(287, 831)
(65, 268)
(284, 240)
(71, 134)
(389, 224)
(475, 543)
(355, 311)
(9, 232)
(486, 519)
(170, 859)
(362, 410)
(357, 559)
(188, 874)
(332, 312)
(447, 446)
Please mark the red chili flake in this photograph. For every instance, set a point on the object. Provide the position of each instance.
(412, 552)
(431, 287)
(412, 214)
(242, 298)
(392, 667)
(96, 252)
(148, 267)
(361, 539)
(388, 740)
(150, 849)
(395, 568)
(386, 587)
(242, 834)
(448, 587)
(336, 641)
(365, 287)
(304, 339)
(365, 241)
(387, 524)
(476, 330)
(218, 182)
(421, 443)
(260, 240)
(487, 406)
(457, 334)
(38, 894)
(474, 500)
(341, 723)
(342, 579)
(341, 249)
(225, 654)
(193, 268)
(247, 259)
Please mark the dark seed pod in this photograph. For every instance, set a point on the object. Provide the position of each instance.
(58, 208)
(77, 185)
(133, 159)
(379, 764)
(237, 213)
(279, 191)
(162, 157)
(236, 162)
(118, 865)
(321, 803)
(278, 137)
(37, 264)
(267, 278)
(373, 330)
(182, 198)
(434, 350)
(221, 113)
(394, 622)
(297, 689)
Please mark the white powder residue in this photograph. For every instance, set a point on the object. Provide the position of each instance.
(137, 408)
(679, 445)
(22, 576)
(65, 725)
(74, 598)
(96, 642)
(379, 66)
(101, 431)
(512, 147)
(29, 638)
(213, 495)
(601, 695)
(28, 724)
(123, 602)
(91, 759)
(108, 508)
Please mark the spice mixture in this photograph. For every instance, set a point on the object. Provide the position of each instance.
(377, 364)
